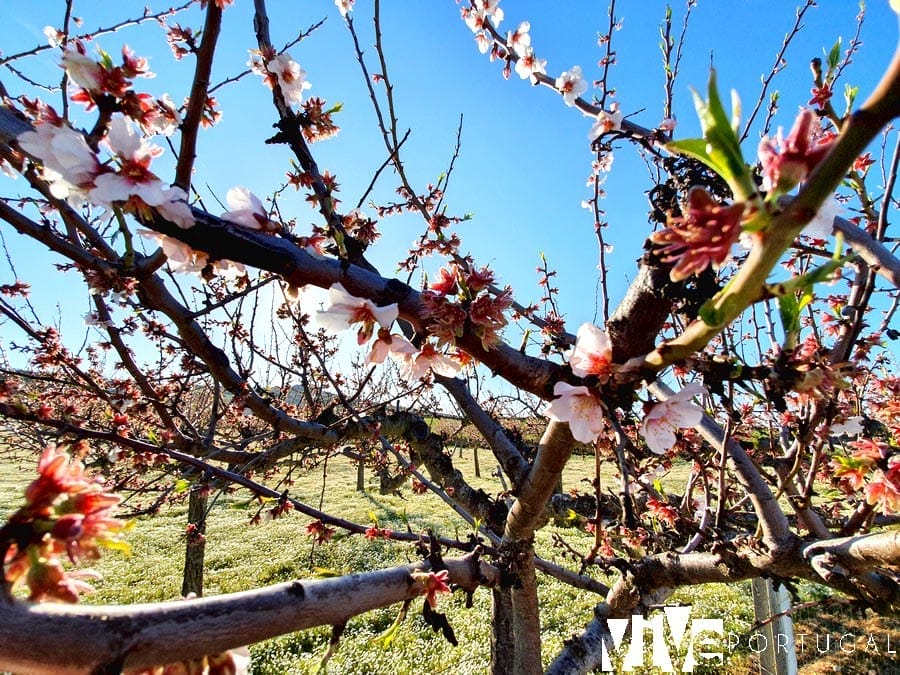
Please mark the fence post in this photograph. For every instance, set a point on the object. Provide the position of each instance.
(775, 639)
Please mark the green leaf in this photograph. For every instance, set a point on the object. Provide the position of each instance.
(789, 310)
(181, 485)
(720, 148)
(693, 147)
(850, 94)
(834, 56)
(723, 145)
(710, 314)
(385, 639)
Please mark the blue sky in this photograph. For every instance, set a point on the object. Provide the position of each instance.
(525, 155)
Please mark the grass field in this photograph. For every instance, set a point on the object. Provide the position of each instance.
(240, 556)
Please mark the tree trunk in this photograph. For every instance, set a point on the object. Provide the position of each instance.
(361, 476)
(527, 616)
(195, 548)
(477, 465)
(503, 637)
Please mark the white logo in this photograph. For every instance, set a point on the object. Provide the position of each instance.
(697, 633)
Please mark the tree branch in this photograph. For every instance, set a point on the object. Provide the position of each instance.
(197, 100)
(86, 638)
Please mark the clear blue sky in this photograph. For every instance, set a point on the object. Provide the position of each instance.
(525, 155)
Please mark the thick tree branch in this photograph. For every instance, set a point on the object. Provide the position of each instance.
(529, 509)
(85, 639)
(872, 251)
(881, 549)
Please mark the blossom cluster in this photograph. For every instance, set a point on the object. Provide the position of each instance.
(703, 236)
(72, 168)
(345, 310)
(101, 81)
(66, 513)
(582, 408)
(873, 467)
(482, 18)
(785, 162)
(460, 299)
(431, 584)
(124, 182)
(281, 70)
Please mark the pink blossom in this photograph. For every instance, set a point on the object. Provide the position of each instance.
(390, 343)
(491, 9)
(246, 209)
(676, 412)
(863, 162)
(83, 71)
(883, 489)
(69, 164)
(182, 258)
(185, 260)
(571, 85)
(606, 122)
(820, 96)
(54, 36)
(787, 161)
(474, 19)
(592, 353)
(344, 6)
(175, 208)
(164, 118)
(667, 125)
(529, 66)
(446, 282)
(519, 40)
(483, 41)
(701, 238)
(484, 9)
(134, 178)
(581, 408)
(432, 583)
(416, 366)
(344, 310)
(291, 77)
(320, 532)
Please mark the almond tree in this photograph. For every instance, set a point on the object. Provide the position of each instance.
(691, 365)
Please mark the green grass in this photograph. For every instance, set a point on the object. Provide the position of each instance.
(240, 556)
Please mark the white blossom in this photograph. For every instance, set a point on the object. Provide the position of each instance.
(291, 77)
(571, 85)
(246, 209)
(344, 310)
(676, 412)
(581, 408)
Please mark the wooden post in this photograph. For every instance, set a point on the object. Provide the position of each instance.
(773, 643)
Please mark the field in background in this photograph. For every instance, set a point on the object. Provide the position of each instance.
(240, 557)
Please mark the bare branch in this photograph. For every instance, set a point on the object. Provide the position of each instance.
(139, 636)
